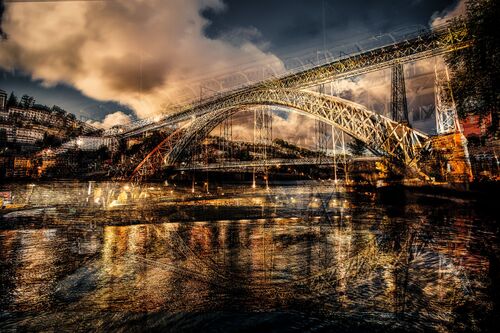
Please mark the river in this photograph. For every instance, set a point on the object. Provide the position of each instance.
(299, 256)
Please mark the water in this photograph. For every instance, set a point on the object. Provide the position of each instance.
(298, 257)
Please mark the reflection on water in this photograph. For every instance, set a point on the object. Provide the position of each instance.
(304, 257)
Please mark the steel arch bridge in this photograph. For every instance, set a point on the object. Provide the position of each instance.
(382, 135)
(425, 44)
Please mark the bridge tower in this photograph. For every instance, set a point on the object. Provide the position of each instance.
(450, 143)
(263, 131)
(323, 138)
(323, 135)
(339, 158)
(226, 137)
(262, 138)
(446, 113)
(399, 105)
(338, 142)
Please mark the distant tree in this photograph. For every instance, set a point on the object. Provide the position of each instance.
(3, 35)
(27, 102)
(286, 144)
(41, 107)
(473, 141)
(59, 111)
(49, 141)
(280, 142)
(74, 131)
(3, 139)
(357, 147)
(103, 153)
(476, 70)
(12, 102)
(149, 142)
(243, 155)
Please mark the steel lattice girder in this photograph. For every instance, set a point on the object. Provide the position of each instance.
(381, 134)
(278, 162)
(198, 130)
(448, 38)
(430, 43)
(168, 151)
(154, 161)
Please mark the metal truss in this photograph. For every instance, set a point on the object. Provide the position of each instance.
(323, 137)
(430, 43)
(446, 113)
(226, 136)
(338, 141)
(399, 105)
(197, 131)
(170, 149)
(382, 135)
(277, 162)
(262, 131)
(154, 161)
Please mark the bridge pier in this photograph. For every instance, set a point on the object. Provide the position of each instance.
(399, 104)
(449, 159)
(449, 147)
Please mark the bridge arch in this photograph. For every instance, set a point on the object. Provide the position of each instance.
(381, 134)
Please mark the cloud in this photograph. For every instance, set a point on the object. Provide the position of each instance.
(286, 124)
(2, 9)
(112, 119)
(440, 18)
(146, 54)
(373, 90)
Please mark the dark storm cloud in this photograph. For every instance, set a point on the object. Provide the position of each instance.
(295, 23)
(2, 9)
(126, 74)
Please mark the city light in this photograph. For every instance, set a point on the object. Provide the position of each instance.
(249, 166)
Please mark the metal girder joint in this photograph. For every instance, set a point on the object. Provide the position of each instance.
(381, 134)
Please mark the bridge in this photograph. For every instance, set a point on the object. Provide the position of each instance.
(275, 162)
(296, 92)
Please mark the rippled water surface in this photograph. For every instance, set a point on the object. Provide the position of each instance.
(298, 257)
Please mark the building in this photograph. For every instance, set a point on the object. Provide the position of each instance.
(50, 118)
(3, 100)
(38, 116)
(93, 143)
(475, 125)
(23, 135)
(22, 167)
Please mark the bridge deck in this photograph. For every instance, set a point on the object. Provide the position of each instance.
(427, 44)
(271, 163)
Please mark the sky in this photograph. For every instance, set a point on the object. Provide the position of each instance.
(112, 61)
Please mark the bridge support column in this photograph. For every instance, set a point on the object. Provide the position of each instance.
(322, 138)
(446, 112)
(226, 137)
(338, 142)
(399, 105)
(262, 138)
(450, 158)
(450, 143)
